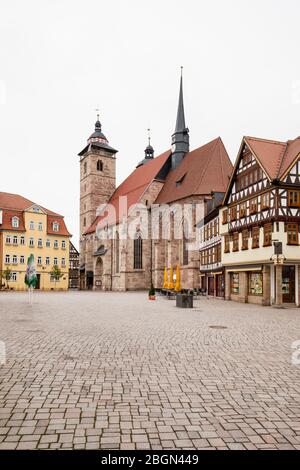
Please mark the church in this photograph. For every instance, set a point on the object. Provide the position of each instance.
(130, 233)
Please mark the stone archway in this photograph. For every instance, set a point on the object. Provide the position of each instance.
(98, 274)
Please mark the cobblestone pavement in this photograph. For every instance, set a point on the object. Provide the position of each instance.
(117, 371)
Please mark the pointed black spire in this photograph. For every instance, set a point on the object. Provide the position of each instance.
(180, 138)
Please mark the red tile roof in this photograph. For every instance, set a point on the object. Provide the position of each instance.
(275, 157)
(203, 170)
(16, 202)
(133, 188)
(7, 216)
(13, 204)
(62, 226)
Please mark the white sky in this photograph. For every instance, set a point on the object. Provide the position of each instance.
(59, 59)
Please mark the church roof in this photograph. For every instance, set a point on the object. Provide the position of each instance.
(133, 187)
(203, 170)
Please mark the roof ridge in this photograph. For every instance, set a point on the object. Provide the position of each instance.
(260, 139)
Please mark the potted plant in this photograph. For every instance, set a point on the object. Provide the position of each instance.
(151, 293)
(6, 274)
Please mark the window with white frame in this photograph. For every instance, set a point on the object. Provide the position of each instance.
(15, 240)
(55, 244)
(63, 244)
(22, 240)
(15, 259)
(8, 239)
(31, 241)
(22, 259)
(48, 244)
(47, 260)
(40, 226)
(31, 225)
(15, 222)
(63, 262)
(13, 277)
(39, 260)
(55, 262)
(40, 243)
(7, 259)
(55, 226)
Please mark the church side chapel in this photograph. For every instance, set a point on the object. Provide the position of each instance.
(112, 260)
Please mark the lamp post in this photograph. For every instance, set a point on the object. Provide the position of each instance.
(278, 259)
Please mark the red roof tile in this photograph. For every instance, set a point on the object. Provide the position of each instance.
(62, 226)
(274, 156)
(13, 204)
(7, 216)
(203, 170)
(16, 202)
(133, 188)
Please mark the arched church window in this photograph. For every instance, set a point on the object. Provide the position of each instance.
(138, 252)
(84, 221)
(117, 253)
(99, 165)
(185, 252)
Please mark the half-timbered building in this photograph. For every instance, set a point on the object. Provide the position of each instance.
(212, 280)
(260, 224)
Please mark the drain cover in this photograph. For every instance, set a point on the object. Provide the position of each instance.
(218, 327)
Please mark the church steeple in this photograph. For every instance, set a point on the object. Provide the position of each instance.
(180, 138)
(149, 152)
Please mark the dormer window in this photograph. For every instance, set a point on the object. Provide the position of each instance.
(15, 222)
(180, 180)
(55, 226)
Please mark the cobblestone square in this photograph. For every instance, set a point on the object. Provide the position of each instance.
(87, 370)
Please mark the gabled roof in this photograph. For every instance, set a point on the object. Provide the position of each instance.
(133, 188)
(202, 171)
(269, 154)
(15, 202)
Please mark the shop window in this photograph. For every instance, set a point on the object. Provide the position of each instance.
(255, 283)
(292, 234)
(255, 237)
(268, 235)
(235, 283)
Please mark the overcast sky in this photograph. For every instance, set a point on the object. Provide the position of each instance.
(59, 59)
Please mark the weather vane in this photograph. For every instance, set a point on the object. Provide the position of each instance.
(98, 112)
(149, 136)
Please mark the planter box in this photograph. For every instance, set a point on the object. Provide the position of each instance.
(184, 301)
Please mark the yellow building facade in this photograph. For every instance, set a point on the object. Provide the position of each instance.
(32, 229)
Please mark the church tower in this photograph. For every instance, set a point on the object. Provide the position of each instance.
(180, 138)
(97, 176)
